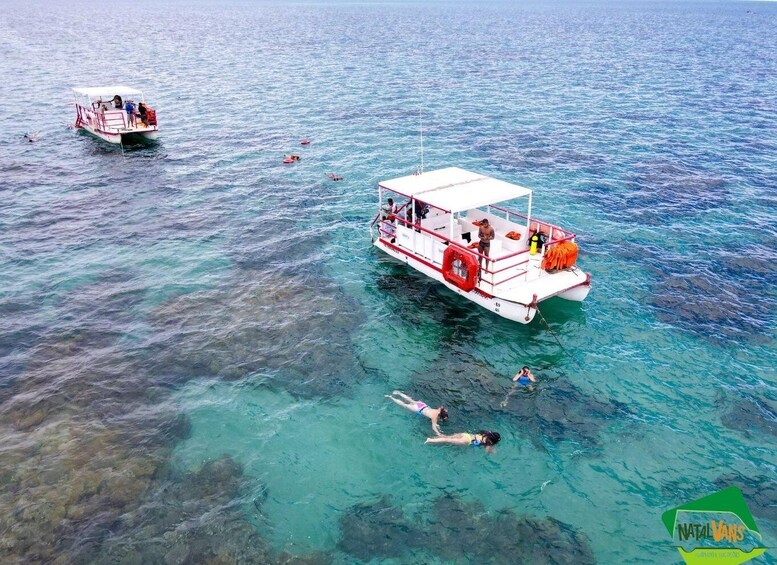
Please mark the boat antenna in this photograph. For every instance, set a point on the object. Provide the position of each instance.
(421, 129)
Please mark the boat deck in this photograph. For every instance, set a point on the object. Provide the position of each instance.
(537, 281)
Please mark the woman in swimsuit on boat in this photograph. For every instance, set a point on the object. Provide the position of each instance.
(486, 438)
(434, 414)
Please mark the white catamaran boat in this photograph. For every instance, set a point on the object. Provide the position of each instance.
(104, 111)
(436, 227)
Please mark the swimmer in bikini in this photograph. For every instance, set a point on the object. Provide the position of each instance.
(434, 414)
(485, 438)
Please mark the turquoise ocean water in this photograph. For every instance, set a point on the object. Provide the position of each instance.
(196, 339)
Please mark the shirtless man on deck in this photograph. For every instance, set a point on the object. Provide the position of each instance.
(485, 234)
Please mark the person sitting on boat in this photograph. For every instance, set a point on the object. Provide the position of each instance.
(117, 102)
(485, 438)
(421, 210)
(434, 414)
(485, 234)
(524, 377)
(389, 210)
(129, 107)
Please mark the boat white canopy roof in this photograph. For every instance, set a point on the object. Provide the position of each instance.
(454, 189)
(107, 91)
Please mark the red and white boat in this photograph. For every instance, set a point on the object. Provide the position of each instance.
(438, 240)
(102, 112)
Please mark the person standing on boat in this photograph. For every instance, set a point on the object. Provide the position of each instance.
(129, 107)
(421, 408)
(485, 234)
(421, 210)
(389, 211)
(117, 104)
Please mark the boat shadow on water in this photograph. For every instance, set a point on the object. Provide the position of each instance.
(417, 300)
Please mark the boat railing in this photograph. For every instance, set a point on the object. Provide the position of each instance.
(102, 120)
(494, 271)
(115, 119)
(554, 232)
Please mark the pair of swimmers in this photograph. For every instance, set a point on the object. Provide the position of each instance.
(483, 438)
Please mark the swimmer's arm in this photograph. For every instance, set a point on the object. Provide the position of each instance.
(490, 449)
(436, 427)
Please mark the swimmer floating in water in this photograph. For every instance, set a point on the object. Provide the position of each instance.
(486, 438)
(524, 376)
(434, 414)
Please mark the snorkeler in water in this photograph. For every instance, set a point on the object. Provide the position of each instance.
(524, 377)
(434, 414)
(486, 438)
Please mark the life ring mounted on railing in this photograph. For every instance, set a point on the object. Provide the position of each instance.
(460, 268)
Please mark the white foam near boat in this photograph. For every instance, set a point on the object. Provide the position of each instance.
(101, 111)
(511, 281)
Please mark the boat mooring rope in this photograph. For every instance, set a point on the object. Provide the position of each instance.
(564, 349)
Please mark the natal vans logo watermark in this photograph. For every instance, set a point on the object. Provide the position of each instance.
(715, 530)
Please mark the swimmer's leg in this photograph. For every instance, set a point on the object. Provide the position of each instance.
(403, 395)
(407, 405)
(457, 439)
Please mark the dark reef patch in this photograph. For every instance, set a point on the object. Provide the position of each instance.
(665, 188)
(376, 529)
(758, 488)
(525, 150)
(659, 190)
(750, 414)
(729, 297)
(196, 517)
(459, 532)
(88, 427)
(703, 302)
(416, 301)
(298, 327)
(760, 492)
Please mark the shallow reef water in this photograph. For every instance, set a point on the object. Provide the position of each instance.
(196, 339)
(456, 531)
(547, 413)
(238, 329)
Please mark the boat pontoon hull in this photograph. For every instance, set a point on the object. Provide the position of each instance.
(127, 138)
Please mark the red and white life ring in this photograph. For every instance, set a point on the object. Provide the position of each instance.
(453, 261)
